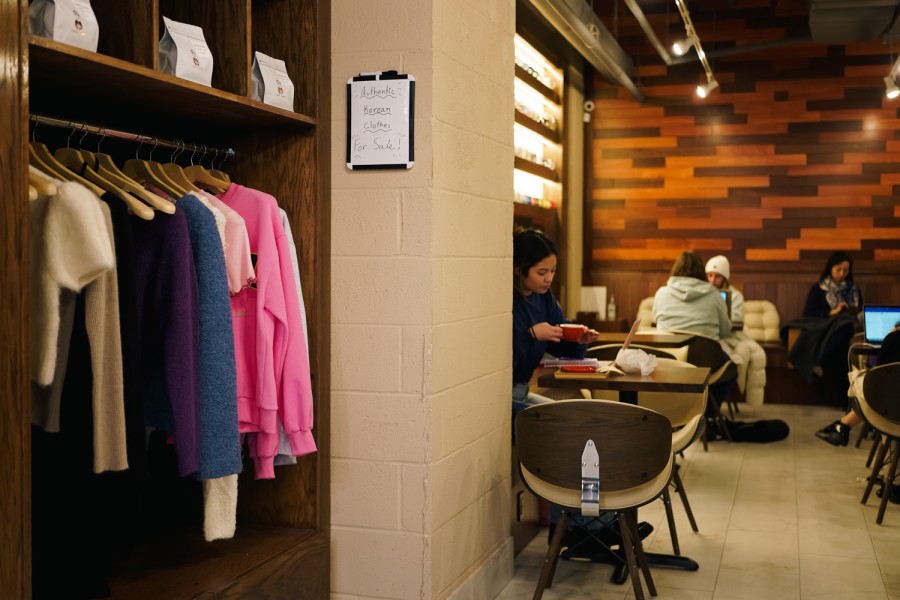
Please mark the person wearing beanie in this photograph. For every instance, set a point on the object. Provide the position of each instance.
(718, 273)
(745, 352)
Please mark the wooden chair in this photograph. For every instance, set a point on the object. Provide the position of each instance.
(634, 462)
(707, 352)
(684, 411)
(880, 408)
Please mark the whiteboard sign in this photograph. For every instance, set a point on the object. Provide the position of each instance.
(380, 120)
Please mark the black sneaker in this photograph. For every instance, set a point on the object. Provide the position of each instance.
(836, 434)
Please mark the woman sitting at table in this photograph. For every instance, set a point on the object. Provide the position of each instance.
(536, 331)
(688, 302)
(536, 314)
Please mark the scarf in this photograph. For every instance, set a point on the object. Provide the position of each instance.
(836, 293)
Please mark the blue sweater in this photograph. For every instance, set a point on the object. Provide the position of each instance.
(527, 351)
(220, 449)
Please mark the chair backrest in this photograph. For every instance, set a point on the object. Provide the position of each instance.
(645, 313)
(761, 321)
(634, 445)
(680, 408)
(880, 403)
(704, 352)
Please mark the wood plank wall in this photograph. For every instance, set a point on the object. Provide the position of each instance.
(797, 154)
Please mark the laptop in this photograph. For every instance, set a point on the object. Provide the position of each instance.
(726, 296)
(878, 322)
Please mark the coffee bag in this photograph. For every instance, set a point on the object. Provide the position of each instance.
(270, 82)
(68, 21)
(183, 52)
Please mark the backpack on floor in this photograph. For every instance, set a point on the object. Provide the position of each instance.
(764, 431)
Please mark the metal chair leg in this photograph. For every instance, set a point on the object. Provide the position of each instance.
(679, 487)
(888, 479)
(876, 468)
(864, 430)
(552, 557)
(639, 552)
(875, 445)
(628, 546)
(670, 517)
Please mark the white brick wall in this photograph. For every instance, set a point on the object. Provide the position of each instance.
(421, 289)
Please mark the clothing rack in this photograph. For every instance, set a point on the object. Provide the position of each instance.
(226, 153)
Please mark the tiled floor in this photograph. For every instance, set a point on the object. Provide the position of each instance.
(777, 521)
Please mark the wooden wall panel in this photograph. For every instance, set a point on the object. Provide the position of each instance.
(793, 157)
(15, 391)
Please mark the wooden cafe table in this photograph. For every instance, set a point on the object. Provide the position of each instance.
(659, 340)
(662, 379)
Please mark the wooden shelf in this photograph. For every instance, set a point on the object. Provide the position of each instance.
(534, 168)
(175, 570)
(539, 128)
(108, 90)
(538, 85)
(537, 216)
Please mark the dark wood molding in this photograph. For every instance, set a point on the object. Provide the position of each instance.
(15, 413)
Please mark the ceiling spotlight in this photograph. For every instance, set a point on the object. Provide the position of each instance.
(704, 90)
(681, 47)
(890, 88)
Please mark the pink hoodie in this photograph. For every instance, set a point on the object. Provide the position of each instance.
(272, 363)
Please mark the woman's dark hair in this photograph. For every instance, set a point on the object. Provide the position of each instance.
(530, 246)
(835, 259)
(689, 264)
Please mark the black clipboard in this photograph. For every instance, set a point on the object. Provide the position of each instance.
(380, 119)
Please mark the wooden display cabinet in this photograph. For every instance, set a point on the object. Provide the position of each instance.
(281, 549)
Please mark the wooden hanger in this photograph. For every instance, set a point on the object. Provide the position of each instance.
(41, 183)
(143, 171)
(219, 173)
(200, 176)
(40, 157)
(107, 168)
(176, 173)
(74, 160)
(150, 171)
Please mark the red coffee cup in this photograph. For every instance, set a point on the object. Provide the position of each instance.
(572, 332)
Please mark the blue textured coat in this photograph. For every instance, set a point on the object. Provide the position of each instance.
(220, 449)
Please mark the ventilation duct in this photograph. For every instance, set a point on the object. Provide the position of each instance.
(847, 21)
(580, 26)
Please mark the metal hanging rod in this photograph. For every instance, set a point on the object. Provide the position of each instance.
(225, 153)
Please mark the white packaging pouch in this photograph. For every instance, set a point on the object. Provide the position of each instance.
(183, 52)
(634, 360)
(68, 21)
(270, 81)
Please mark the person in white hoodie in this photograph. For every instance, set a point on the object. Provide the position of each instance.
(688, 302)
